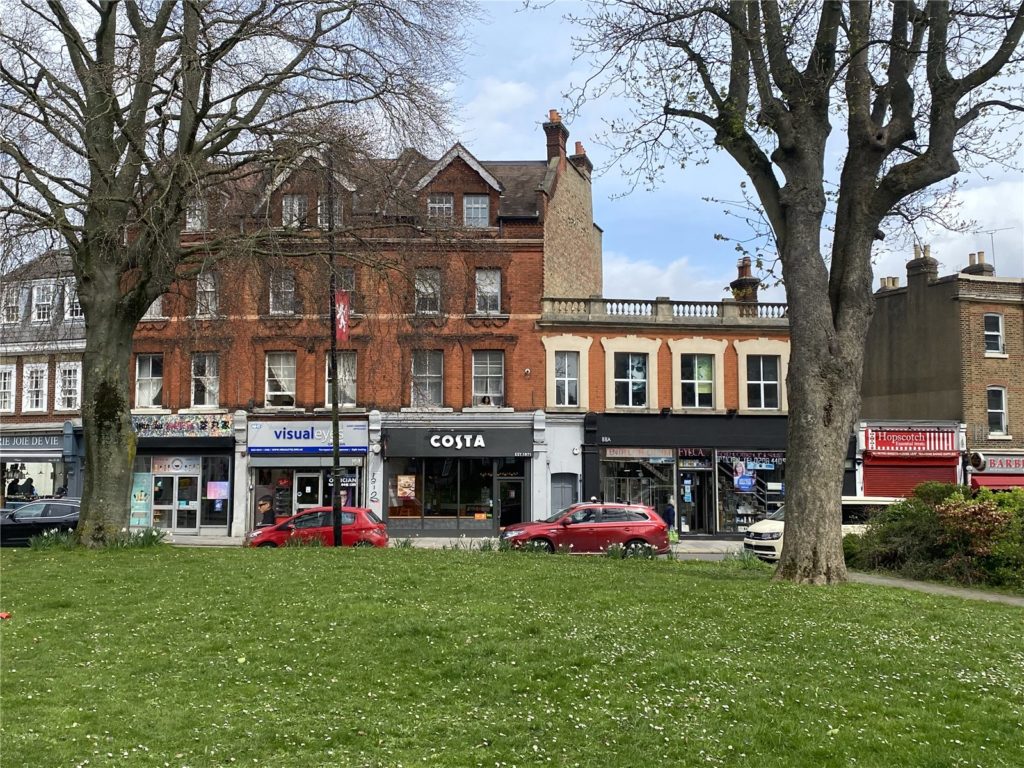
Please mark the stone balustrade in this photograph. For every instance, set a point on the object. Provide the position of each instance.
(663, 311)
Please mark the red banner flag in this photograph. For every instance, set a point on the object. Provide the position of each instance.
(341, 315)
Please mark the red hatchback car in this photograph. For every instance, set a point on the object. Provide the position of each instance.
(593, 527)
(359, 528)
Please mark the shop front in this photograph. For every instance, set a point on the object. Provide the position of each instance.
(182, 476)
(999, 471)
(457, 480)
(722, 473)
(290, 466)
(40, 460)
(896, 457)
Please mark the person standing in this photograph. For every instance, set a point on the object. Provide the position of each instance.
(668, 513)
(28, 489)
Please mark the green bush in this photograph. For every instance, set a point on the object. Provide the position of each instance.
(53, 539)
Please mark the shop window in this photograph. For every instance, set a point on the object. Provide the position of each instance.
(346, 379)
(324, 211)
(293, 211)
(280, 389)
(567, 378)
(205, 380)
(441, 206)
(427, 378)
(476, 210)
(488, 378)
(72, 306)
(994, 334)
(996, 411)
(7, 374)
(10, 312)
(196, 215)
(42, 303)
(282, 292)
(763, 381)
(155, 310)
(488, 291)
(206, 295)
(630, 379)
(69, 386)
(698, 380)
(216, 491)
(149, 381)
(428, 291)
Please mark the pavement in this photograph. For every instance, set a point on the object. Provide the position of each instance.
(685, 549)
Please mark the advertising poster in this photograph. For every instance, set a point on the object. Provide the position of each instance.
(141, 507)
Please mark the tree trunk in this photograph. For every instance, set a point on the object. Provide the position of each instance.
(106, 420)
(823, 385)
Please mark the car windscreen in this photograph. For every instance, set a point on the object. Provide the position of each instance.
(557, 516)
(778, 514)
(373, 518)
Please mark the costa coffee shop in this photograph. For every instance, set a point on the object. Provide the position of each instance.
(894, 457)
(1000, 471)
(458, 475)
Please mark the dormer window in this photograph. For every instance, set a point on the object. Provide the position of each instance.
(10, 311)
(441, 206)
(42, 303)
(293, 211)
(195, 216)
(476, 210)
(72, 306)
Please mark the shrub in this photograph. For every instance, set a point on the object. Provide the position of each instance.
(970, 530)
(53, 539)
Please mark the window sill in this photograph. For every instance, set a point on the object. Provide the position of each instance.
(206, 317)
(153, 319)
(278, 409)
(204, 410)
(999, 436)
(76, 409)
(426, 409)
(488, 409)
(341, 408)
(155, 411)
(700, 411)
(997, 355)
(567, 409)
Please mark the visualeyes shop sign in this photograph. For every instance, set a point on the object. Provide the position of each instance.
(307, 437)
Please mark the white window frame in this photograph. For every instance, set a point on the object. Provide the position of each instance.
(155, 310)
(61, 395)
(476, 211)
(489, 377)
(567, 343)
(763, 384)
(150, 381)
(282, 292)
(8, 387)
(767, 347)
(38, 290)
(488, 291)
(196, 215)
(632, 359)
(207, 295)
(10, 304)
(347, 378)
(286, 361)
(697, 382)
(1004, 427)
(294, 210)
(441, 206)
(424, 381)
(698, 345)
(427, 284)
(566, 380)
(995, 336)
(323, 211)
(346, 280)
(210, 382)
(636, 345)
(72, 306)
(35, 382)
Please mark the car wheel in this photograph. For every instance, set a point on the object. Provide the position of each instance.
(266, 544)
(543, 545)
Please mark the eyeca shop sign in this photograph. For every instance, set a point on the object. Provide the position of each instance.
(304, 437)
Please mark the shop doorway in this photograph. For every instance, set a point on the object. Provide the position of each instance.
(308, 491)
(176, 503)
(696, 507)
(510, 502)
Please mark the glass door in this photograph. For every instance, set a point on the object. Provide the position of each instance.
(163, 501)
(510, 502)
(307, 491)
(186, 504)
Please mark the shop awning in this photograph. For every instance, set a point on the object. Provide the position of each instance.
(997, 482)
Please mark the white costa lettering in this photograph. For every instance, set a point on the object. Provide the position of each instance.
(457, 442)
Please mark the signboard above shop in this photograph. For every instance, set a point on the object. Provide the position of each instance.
(307, 437)
(922, 441)
(183, 425)
(507, 443)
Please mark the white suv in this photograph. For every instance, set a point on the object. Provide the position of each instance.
(764, 538)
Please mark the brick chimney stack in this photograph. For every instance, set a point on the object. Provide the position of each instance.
(581, 161)
(977, 266)
(744, 287)
(923, 269)
(557, 135)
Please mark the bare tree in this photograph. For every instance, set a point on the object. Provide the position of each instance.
(114, 115)
(922, 90)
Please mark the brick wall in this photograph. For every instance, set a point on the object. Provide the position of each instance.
(572, 263)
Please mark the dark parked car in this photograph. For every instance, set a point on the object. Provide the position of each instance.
(359, 528)
(593, 527)
(31, 519)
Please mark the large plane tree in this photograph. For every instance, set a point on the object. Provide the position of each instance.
(114, 115)
(846, 117)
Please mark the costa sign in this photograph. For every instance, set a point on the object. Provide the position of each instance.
(458, 442)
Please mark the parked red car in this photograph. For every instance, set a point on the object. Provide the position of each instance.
(359, 528)
(593, 527)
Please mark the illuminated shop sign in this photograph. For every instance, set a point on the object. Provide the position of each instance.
(307, 437)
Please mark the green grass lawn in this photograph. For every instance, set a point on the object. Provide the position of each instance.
(319, 657)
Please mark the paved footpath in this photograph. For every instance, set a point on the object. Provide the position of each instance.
(935, 589)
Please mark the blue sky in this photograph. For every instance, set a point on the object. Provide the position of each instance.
(519, 65)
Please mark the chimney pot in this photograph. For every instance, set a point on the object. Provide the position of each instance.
(971, 259)
(927, 251)
(981, 257)
(579, 148)
(553, 116)
(917, 251)
(883, 283)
